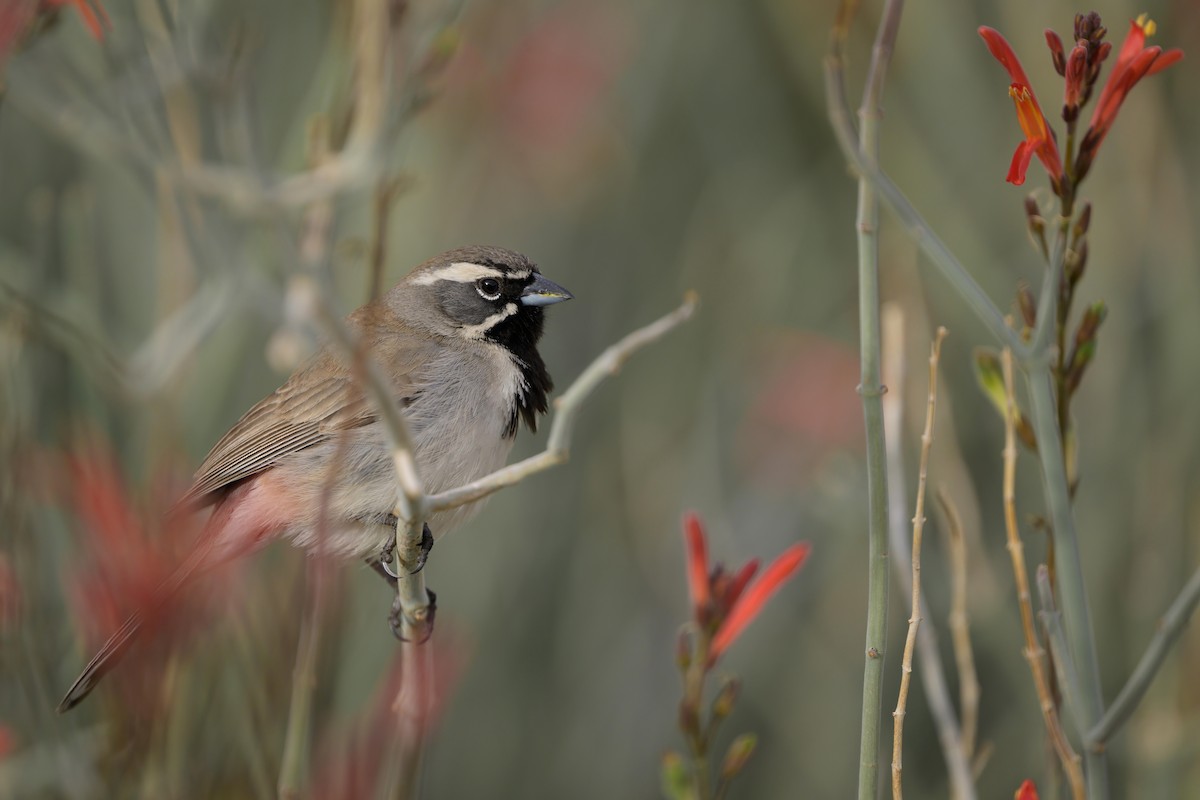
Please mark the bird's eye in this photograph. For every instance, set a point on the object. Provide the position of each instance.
(488, 288)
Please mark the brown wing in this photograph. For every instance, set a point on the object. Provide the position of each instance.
(319, 400)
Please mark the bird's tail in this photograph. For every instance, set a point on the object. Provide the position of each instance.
(102, 662)
(203, 557)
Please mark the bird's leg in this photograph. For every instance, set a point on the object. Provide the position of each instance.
(425, 626)
(380, 562)
(389, 546)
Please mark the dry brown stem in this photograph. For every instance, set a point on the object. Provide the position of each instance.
(1034, 653)
(918, 529)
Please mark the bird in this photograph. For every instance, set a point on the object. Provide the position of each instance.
(456, 342)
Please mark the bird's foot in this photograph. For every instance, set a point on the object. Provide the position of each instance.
(422, 625)
(423, 550)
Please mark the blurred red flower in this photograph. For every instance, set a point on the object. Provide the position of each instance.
(350, 764)
(1134, 62)
(18, 18)
(93, 14)
(1027, 791)
(796, 422)
(121, 566)
(725, 603)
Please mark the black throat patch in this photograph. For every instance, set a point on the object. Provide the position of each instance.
(519, 334)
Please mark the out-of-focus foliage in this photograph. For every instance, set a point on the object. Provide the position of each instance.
(634, 150)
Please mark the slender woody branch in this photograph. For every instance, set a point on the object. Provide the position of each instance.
(413, 506)
(566, 408)
(1033, 652)
(1170, 627)
(960, 625)
(918, 528)
(933, 677)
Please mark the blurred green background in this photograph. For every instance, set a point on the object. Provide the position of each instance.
(633, 150)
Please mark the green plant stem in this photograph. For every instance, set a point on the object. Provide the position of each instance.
(1169, 629)
(871, 390)
(698, 739)
(1069, 565)
(1047, 318)
(916, 226)
(292, 772)
(1059, 650)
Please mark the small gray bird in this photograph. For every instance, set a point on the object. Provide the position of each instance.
(456, 340)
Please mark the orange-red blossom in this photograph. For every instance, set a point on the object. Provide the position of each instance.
(1079, 69)
(725, 603)
(1039, 139)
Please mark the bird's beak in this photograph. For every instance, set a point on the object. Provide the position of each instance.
(543, 292)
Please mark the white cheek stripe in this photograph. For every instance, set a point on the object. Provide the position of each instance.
(478, 331)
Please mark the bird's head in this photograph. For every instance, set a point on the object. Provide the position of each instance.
(479, 294)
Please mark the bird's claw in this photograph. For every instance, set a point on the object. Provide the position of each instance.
(423, 550)
(424, 626)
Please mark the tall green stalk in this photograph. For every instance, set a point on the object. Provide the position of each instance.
(1077, 616)
(871, 389)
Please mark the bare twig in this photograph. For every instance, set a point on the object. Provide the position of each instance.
(1016, 550)
(386, 191)
(1169, 629)
(933, 677)
(918, 528)
(413, 506)
(566, 408)
(960, 625)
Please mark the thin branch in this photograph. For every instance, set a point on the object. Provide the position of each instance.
(1033, 650)
(1170, 627)
(566, 407)
(413, 506)
(933, 677)
(386, 191)
(298, 738)
(918, 528)
(960, 624)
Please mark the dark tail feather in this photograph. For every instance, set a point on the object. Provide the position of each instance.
(102, 662)
(118, 644)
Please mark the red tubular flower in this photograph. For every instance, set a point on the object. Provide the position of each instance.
(1027, 791)
(724, 603)
(1075, 74)
(1039, 140)
(1134, 62)
(1056, 52)
(755, 597)
(93, 14)
(697, 565)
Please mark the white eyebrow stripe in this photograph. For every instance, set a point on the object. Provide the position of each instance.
(478, 331)
(459, 272)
